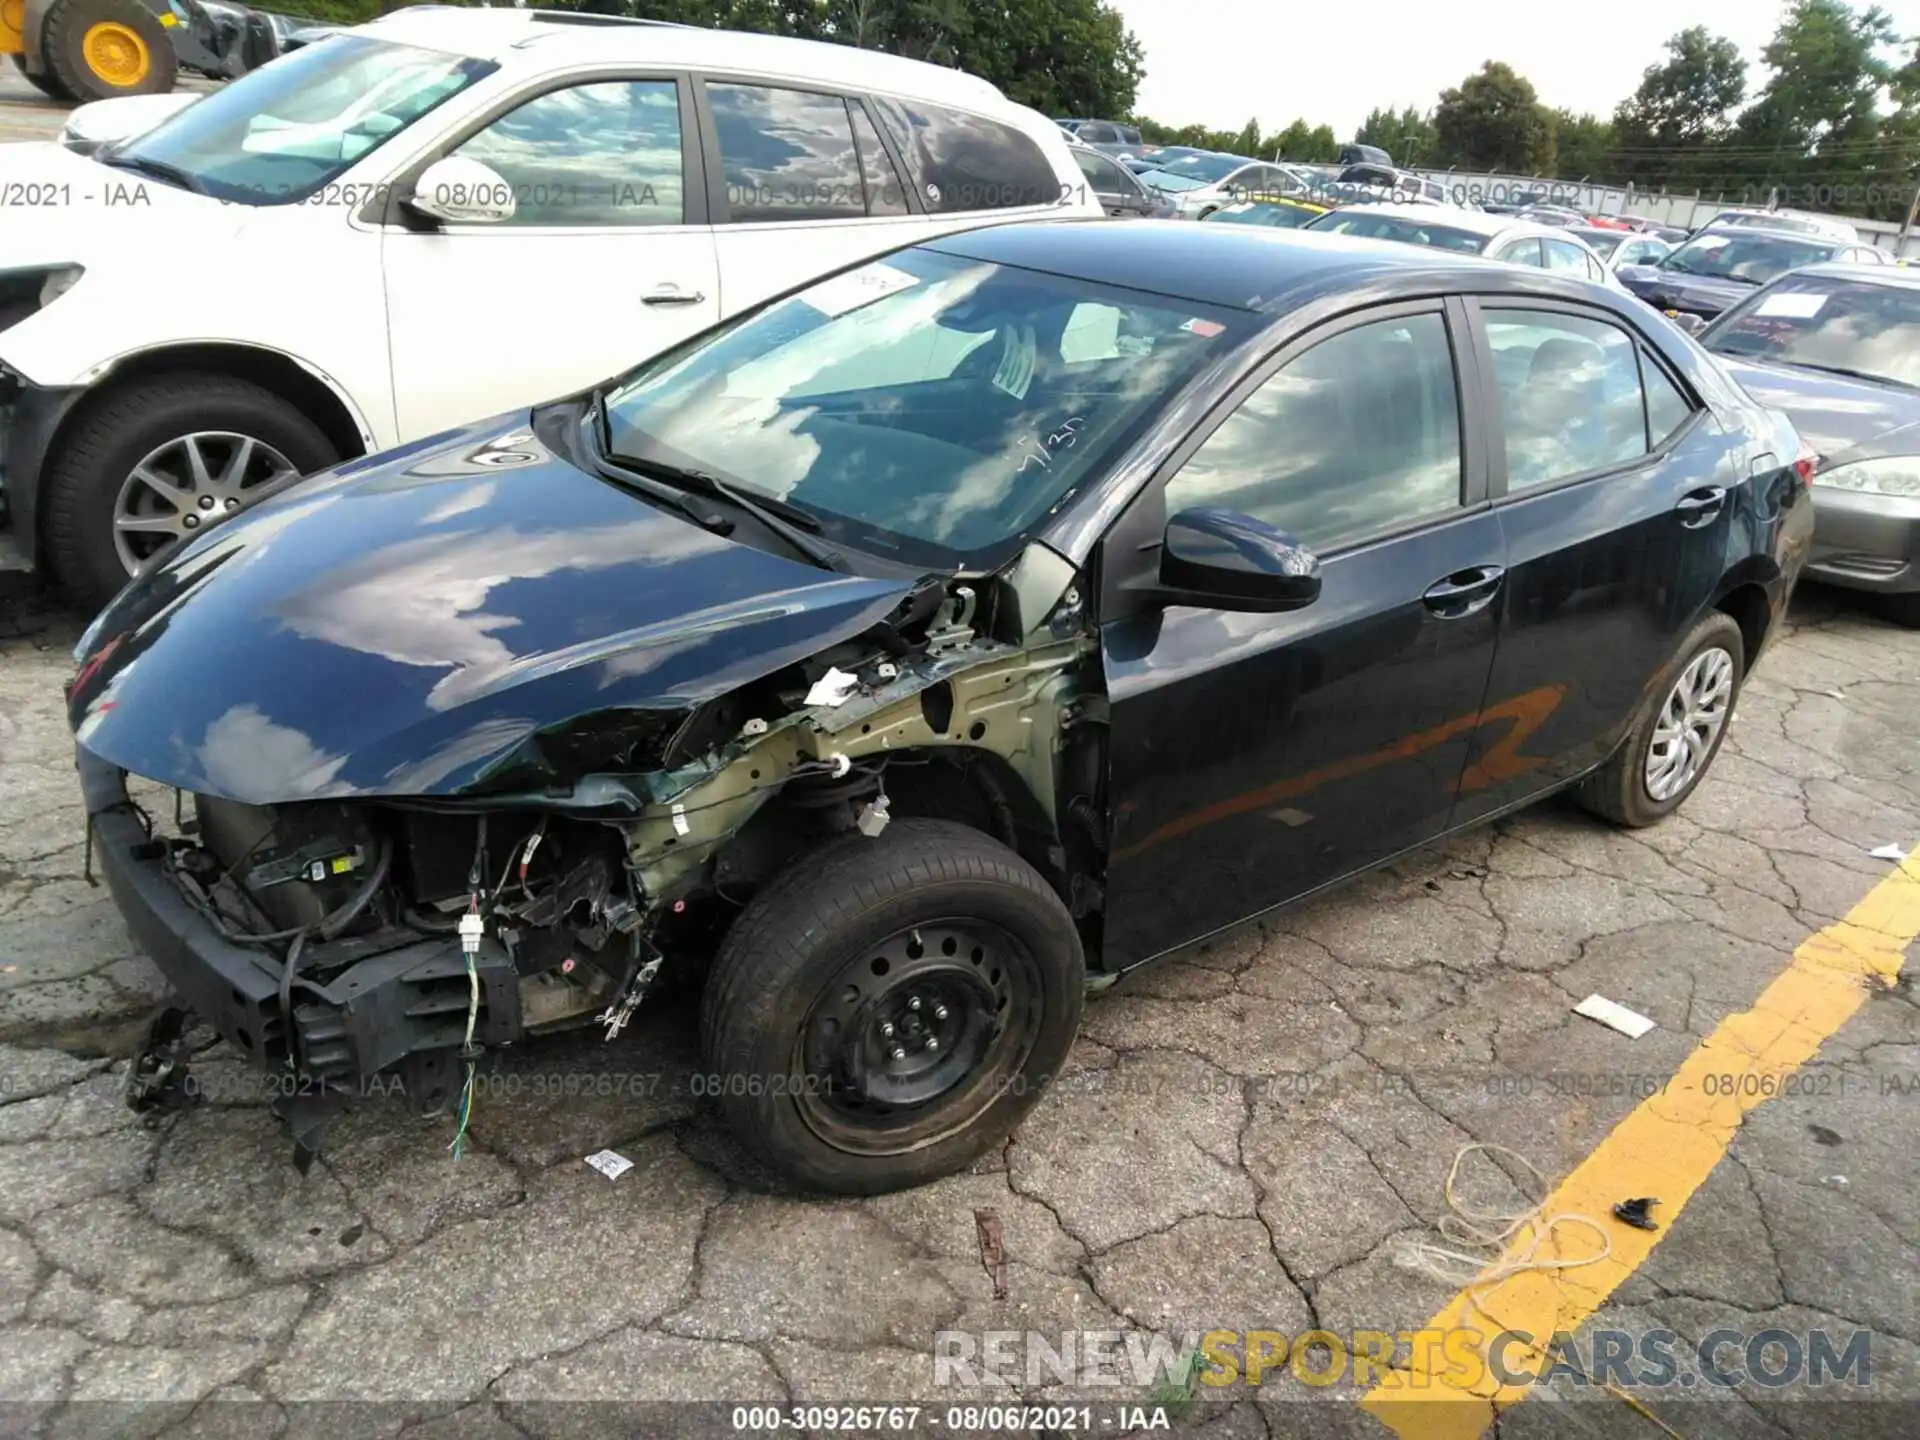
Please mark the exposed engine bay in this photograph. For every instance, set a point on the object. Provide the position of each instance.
(405, 936)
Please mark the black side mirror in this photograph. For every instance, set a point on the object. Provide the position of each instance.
(1235, 562)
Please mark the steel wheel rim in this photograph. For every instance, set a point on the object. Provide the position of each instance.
(855, 1095)
(1690, 721)
(188, 483)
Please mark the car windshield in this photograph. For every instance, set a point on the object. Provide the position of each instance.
(1194, 170)
(1748, 259)
(278, 134)
(1841, 325)
(1394, 227)
(926, 407)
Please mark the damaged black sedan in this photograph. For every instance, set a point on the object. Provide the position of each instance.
(909, 657)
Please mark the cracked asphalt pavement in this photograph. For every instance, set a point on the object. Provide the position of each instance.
(1251, 1133)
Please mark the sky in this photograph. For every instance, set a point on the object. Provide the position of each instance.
(1219, 62)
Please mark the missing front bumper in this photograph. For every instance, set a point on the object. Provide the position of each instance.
(380, 1011)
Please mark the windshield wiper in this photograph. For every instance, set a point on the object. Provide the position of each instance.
(158, 169)
(768, 511)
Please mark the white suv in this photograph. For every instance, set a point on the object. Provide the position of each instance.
(433, 218)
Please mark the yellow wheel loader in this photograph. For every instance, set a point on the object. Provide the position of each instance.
(82, 50)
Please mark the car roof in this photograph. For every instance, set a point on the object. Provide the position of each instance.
(1474, 222)
(1247, 267)
(545, 39)
(1799, 236)
(1905, 277)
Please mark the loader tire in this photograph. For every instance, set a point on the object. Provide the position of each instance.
(100, 49)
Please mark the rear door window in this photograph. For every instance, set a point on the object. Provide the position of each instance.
(1521, 252)
(958, 161)
(786, 154)
(1569, 391)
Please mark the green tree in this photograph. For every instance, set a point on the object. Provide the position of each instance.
(1493, 120)
(1321, 146)
(1407, 135)
(1666, 131)
(1815, 133)
(1582, 145)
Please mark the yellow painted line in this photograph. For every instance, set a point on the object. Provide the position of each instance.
(1666, 1147)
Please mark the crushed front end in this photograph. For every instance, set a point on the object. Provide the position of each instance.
(358, 941)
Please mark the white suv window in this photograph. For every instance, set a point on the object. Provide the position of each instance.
(601, 154)
(787, 154)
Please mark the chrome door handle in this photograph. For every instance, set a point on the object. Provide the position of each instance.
(672, 297)
(1700, 506)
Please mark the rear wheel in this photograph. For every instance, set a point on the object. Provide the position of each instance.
(1678, 732)
(888, 1009)
(44, 82)
(98, 49)
(162, 459)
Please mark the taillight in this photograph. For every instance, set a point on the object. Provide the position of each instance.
(1806, 465)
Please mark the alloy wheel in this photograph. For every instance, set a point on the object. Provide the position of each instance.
(187, 484)
(1690, 721)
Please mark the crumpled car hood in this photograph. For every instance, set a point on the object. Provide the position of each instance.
(403, 624)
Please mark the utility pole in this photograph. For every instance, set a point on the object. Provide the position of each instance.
(1913, 210)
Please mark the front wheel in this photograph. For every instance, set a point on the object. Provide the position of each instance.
(889, 1009)
(1678, 732)
(161, 459)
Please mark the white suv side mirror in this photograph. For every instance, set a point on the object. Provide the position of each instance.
(463, 192)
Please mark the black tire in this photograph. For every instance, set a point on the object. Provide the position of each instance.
(791, 952)
(113, 431)
(63, 41)
(44, 82)
(1903, 609)
(1618, 791)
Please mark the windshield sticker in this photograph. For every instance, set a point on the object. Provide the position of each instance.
(1796, 305)
(1042, 451)
(1018, 351)
(1205, 329)
(862, 287)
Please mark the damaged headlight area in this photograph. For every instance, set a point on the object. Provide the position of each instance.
(340, 942)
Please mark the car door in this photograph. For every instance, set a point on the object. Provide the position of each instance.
(607, 258)
(1615, 493)
(1256, 757)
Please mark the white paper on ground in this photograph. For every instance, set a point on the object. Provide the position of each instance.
(1614, 1016)
(1795, 305)
(835, 687)
(1888, 852)
(609, 1164)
